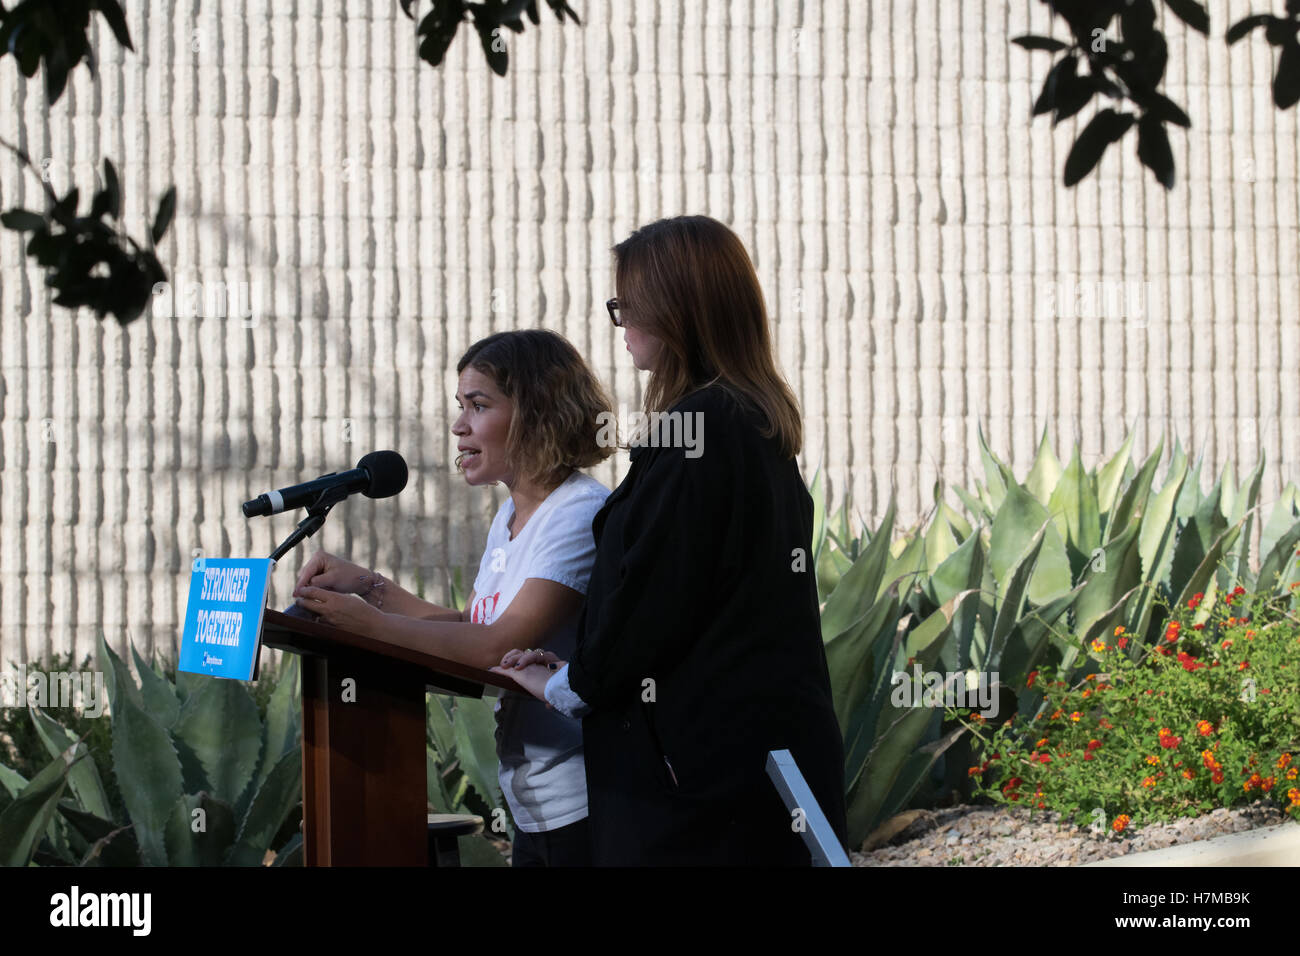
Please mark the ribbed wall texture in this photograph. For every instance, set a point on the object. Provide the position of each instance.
(373, 216)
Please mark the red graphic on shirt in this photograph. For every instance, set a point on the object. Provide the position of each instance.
(485, 608)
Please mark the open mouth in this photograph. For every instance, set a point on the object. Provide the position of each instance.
(465, 457)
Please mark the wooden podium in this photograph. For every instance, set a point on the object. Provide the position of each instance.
(364, 799)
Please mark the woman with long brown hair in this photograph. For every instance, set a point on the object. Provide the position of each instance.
(700, 646)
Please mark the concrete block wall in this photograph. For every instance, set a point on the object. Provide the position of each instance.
(367, 217)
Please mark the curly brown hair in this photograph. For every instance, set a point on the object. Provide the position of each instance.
(558, 402)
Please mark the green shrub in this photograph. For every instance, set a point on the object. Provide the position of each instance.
(1024, 581)
(1209, 716)
(202, 778)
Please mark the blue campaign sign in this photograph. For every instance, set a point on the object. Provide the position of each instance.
(223, 619)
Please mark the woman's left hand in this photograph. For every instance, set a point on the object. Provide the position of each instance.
(530, 669)
(347, 611)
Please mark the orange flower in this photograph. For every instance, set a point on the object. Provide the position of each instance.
(1119, 630)
(1123, 820)
(1032, 675)
(1075, 716)
(1283, 761)
(1153, 760)
(1204, 728)
(1243, 665)
(1149, 782)
(1188, 774)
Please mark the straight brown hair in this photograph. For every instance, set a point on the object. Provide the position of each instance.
(689, 282)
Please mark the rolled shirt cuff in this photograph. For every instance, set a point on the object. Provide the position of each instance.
(562, 698)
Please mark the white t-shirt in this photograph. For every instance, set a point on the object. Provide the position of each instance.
(542, 774)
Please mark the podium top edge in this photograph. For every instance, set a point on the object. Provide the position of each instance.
(314, 636)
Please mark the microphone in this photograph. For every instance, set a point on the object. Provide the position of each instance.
(380, 474)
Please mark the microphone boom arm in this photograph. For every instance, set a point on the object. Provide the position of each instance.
(316, 514)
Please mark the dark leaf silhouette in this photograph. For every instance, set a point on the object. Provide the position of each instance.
(1154, 151)
(166, 210)
(1138, 20)
(1030, 42)
(1073, 92)
(1243, 27)
(1191, 13)
(1169, 111)
(108, 201)
(22, 220)
(1119, 52)
(1286, 85)
(1105, 128)
(494, 47)
(112, 12)
(561, 8)
(438, 27)
(1047, 98)
(1280, 31)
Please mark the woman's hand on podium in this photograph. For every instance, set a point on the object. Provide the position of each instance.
(522, 658)
(530, 669)
(324, 570)
(347, 611)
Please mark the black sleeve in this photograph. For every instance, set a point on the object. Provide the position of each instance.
(680, 545)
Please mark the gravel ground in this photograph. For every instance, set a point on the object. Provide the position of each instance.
(1006, 836)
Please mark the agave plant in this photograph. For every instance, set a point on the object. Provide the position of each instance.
(461, 760)
(1037, 572)
(205, 781)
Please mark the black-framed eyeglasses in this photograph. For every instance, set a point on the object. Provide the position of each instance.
(614, 317)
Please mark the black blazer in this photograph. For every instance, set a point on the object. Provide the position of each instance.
(699, 650)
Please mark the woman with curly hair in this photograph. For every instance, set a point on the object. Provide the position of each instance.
(530, 409)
